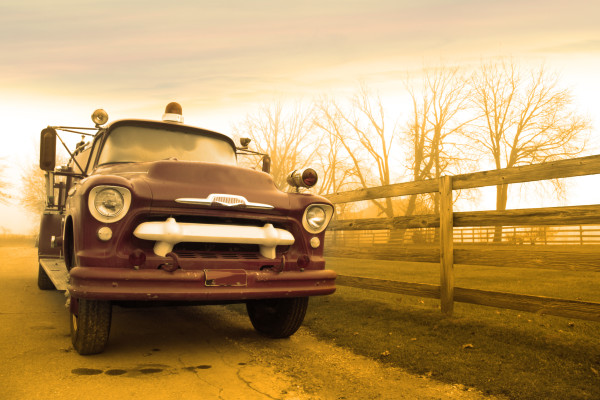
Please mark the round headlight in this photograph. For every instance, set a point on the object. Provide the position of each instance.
(315, 217)
(109, 202)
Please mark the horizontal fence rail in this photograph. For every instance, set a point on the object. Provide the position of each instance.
(520, 302)
(530, 217)
(528, 173)
(530, 238)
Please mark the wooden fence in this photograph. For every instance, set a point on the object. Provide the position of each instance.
(447, 255)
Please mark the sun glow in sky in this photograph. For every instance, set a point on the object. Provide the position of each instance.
(60, 60)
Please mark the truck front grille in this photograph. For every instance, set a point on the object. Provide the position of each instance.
(218, 255)
(217, 250)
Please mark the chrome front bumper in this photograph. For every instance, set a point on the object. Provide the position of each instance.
(170, 232)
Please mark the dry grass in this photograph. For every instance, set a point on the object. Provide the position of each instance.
(501, 352)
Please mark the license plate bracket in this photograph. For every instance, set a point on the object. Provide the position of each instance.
(225, 277)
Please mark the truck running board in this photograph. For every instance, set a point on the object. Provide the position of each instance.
(57, 271)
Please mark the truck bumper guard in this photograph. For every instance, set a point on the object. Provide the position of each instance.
(170, 232)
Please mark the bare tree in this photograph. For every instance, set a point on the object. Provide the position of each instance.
(4, 185)
(286, 136)
(361, 132)
(437, 118)
(524, 118)
(33, 184)
(336, 170)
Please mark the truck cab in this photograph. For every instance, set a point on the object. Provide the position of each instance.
(160, 212)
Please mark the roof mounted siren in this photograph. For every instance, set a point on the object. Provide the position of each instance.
(173, 113)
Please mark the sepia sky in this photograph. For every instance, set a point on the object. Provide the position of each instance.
(60, 60)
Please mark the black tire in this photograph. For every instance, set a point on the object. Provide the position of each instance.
(44, 282)
(277, 318)
(90, 327)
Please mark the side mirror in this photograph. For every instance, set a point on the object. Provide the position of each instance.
(48, 149)
(266, 164)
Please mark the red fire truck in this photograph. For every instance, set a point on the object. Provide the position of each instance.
(159, 212)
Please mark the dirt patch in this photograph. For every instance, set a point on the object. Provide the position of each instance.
(326, 371)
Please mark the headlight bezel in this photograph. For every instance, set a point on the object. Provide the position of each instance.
(327, 209)
(123, 192)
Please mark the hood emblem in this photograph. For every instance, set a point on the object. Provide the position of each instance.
(229, 200)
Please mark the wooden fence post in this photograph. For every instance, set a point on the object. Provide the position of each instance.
(446, 246)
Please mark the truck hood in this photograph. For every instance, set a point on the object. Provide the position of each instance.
(170, 180)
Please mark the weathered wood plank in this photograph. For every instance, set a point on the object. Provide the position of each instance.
(529, 173)
(415, 221)
(576, 215)
(526, 173)
(446, 247)
(403, 253)
(536, 304)
(397, 189)
(363, 224)
(383, 285)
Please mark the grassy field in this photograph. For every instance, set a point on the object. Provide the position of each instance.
(502, 352)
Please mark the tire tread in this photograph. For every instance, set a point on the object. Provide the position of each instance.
(289, 316)
(93, 326)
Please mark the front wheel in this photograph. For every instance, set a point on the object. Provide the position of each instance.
(277, 318)
(90, 325)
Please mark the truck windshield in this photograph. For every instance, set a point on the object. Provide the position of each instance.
(141, 144)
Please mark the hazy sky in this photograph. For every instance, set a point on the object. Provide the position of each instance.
(215, 53)
(60, 60)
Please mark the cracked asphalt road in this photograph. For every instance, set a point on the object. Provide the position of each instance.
(207, 352)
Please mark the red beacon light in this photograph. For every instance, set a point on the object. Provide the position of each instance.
(173, 113)
(306, 178)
